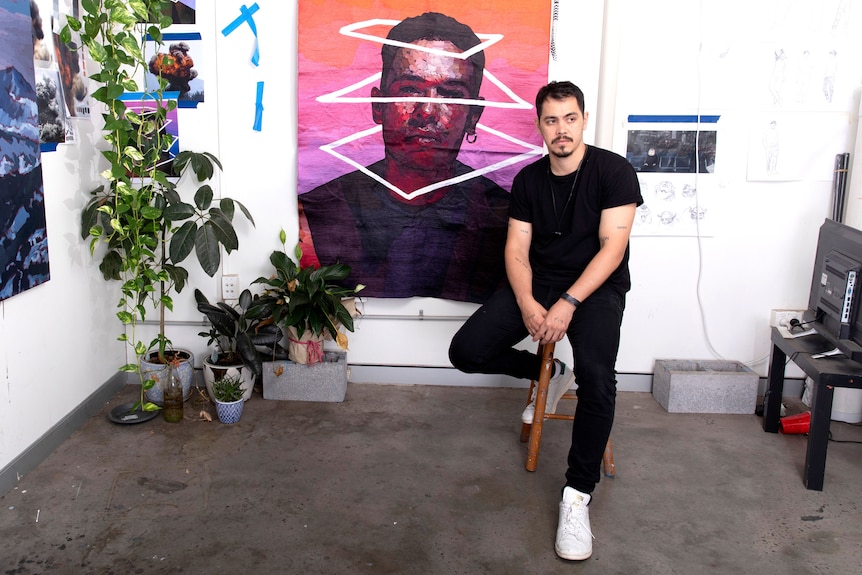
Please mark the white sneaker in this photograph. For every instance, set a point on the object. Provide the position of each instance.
(574, 538)
(557, 387)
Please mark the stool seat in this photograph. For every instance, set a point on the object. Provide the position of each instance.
(532, 432)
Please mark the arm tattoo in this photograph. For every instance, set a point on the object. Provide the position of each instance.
(603, 240)
(522, 230)
(523, 263)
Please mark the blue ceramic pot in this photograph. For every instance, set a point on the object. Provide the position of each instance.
(229, 412)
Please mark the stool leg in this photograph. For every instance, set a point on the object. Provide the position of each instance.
(608, 460)
(525, 427)
(541, 399)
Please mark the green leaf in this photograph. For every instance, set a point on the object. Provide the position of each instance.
(113, 91)
(151, 213)
(179, 212)
(284, 266)
(227, 207)
(204, 197)
(223, 230)
(97, 51)
(245, 212)
(139, 7)
(72, 23)
(207, 249)
(178, 275)
(155, 33)
(182, 242)
(129, 367)
(90, 6)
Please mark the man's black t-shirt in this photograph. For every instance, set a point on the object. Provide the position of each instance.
(566, 234)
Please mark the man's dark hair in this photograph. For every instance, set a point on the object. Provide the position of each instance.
(434, 26)
(559, 91)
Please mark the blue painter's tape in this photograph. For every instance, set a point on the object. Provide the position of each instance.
(177, 36)
(246, 16)
(48, 147)
(671, 119)
(148, 96)
(258, 108)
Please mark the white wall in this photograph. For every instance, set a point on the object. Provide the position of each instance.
(691, 298)
(58, 341)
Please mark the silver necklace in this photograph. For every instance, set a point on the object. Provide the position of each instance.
(559, 217)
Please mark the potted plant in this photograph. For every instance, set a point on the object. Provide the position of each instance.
(308, 303)
(138, 216)
(228, 392)
(236, 333)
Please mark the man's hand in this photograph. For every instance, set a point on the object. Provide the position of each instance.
(533, 315)
(555, 323)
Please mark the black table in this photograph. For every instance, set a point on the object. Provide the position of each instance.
(827, 373)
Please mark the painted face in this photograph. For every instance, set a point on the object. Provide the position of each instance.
(426, 136)
(562, 126)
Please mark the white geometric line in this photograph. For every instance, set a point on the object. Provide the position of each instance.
(350, 30)
(339, 97)
(532, 152)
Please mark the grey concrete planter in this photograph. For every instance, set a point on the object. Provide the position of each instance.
(705, 386)
(323, 381)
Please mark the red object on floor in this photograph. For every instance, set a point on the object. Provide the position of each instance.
(798, 423)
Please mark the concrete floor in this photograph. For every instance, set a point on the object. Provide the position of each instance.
(426, 480)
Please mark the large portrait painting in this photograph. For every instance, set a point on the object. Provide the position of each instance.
(414, 117)
(23, 240)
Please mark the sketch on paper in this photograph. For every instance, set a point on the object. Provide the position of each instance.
(674, 205)
(779, 150)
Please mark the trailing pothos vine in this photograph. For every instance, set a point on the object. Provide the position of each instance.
(137, 219)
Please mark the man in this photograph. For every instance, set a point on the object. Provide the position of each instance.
(567, 262)
(445, 242)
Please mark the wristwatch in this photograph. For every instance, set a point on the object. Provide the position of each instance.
(566, 297)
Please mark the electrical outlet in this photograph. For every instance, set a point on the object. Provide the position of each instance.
(230, 287)
(782, 317)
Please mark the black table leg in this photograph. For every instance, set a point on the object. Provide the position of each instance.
(818, 436)
(774, 389)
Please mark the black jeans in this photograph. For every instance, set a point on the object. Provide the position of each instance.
(484, 344)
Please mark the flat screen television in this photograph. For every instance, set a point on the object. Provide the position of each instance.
(833, 302)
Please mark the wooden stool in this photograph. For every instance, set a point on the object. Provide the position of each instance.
(533, 432)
